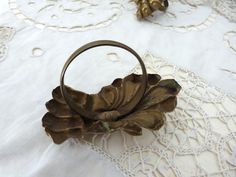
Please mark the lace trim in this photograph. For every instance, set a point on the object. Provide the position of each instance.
(6, 34)
(198, 138)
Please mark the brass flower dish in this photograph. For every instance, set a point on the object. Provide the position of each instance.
(130, 104)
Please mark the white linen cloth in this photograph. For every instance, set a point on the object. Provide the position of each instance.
(36, 38)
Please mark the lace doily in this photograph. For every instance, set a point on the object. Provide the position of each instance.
(6, 33)
(198, 138)
(182, 15)
(225, 7)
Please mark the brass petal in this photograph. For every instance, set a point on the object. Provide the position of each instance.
(87, 101)
(60, 124)
(98, 104)
(153, 79)
(166, 106)
(109, 95)
(171, 85)
(118, 84)
(79, 97)
(161, 92)
(150, 119)
(131, 85)
(133, 129)
(59, 109)
(145, 9)
(139, 14)
(157, 5)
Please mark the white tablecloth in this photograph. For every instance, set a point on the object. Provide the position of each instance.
(193, 42)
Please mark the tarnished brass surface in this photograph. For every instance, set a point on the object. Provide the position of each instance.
(147, 7)
(130, 103)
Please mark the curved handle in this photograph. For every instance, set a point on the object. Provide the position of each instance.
(122, 110)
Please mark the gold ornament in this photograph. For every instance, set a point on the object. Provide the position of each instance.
(147, 7)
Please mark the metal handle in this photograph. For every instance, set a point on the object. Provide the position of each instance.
(123, 110)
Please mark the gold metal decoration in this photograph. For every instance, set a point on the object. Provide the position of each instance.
(147, 7)
(130, 104)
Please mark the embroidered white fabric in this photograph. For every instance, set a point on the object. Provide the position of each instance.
(6, 34)
(198, 138)
(59, 15)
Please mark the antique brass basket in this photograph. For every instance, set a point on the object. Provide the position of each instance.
(130, 104)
